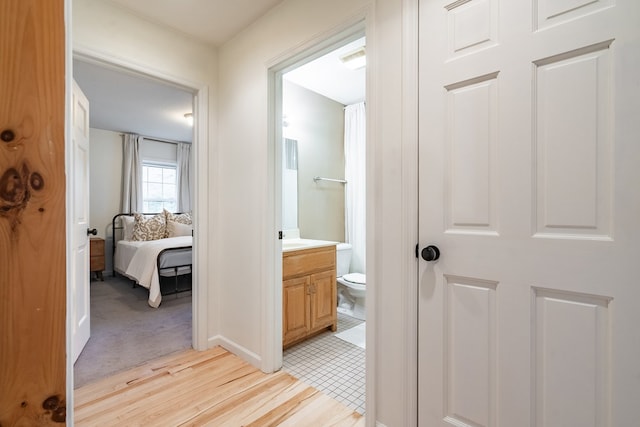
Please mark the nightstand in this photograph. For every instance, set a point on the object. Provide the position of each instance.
(96, 251)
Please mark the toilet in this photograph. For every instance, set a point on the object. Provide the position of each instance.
(351, 286)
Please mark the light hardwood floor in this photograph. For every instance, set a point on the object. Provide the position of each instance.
(210, 388)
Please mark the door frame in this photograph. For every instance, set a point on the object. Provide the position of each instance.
(358, 26)
(410, 197)
(200, 144)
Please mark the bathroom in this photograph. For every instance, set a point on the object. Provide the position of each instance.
(323, 196)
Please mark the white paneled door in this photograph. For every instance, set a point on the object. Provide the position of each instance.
(529, 146)
(78, 189)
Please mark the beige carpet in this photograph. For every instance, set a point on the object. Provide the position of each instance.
(126, 332)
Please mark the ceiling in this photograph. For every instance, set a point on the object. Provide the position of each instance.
(328, 76)
(124, 102)
(212, 21)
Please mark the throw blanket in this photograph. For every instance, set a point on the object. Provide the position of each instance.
(143, 267)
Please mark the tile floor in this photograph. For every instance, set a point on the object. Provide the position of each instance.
(333, 366)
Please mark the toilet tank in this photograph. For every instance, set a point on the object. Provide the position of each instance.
(343, 258)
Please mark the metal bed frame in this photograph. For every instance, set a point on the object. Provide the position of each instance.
(176, 268)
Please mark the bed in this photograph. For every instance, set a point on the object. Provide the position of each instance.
(148, 247)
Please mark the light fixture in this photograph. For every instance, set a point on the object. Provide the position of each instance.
(356, 59)
(189, 117)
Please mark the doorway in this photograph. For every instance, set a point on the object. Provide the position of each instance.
(310, 167)
(196, 105)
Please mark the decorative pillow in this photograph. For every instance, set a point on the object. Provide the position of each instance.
(153, 228)
(183, 218)
(127, 227)
(175, 229)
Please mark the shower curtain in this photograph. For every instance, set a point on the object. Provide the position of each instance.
(355, 191)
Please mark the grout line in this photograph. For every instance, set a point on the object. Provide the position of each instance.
(332, 365)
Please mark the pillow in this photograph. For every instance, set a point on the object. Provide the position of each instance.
(127, 227)
(183, 218)
(175, 229)
(153, 228)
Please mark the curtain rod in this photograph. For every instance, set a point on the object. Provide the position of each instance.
(153, 138)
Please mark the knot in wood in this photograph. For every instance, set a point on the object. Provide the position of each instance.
(7, 135)
(51, 403)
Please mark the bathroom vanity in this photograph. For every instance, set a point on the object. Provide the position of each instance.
(308, 289)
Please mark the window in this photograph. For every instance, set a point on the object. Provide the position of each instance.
(159, 187)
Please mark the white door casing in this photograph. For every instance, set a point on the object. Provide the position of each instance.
(528, 153)
(79, 191)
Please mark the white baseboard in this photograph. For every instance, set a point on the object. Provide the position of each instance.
(379, 424)
(246, 355)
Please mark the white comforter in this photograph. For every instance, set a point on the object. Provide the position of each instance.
(143, 267)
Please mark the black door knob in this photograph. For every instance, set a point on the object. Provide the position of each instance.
(430, 253)
(92, 231)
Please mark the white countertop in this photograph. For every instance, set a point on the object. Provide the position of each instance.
(298, 244)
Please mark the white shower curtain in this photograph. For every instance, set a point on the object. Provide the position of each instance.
(355, 191)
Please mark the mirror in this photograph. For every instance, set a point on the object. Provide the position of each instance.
(290, 184)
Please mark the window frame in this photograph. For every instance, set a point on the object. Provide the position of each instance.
(145, 201)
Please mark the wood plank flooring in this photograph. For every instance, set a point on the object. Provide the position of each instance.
(210, 388)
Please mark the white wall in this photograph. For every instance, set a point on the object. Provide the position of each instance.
(244, 181)
(235, 188)
(244, 224)
(317, 123)
(105, 181)
(104, 28)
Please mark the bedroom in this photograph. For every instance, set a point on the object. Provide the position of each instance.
(122, 103)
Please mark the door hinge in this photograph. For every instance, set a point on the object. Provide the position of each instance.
(279, 235)
(417, 250)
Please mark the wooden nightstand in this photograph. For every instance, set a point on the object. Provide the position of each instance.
(96, 251)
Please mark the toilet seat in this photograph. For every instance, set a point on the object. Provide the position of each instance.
(357, 278)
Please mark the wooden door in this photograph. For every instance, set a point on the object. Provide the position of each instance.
(78, 192)
(32, 213)
(529, 175)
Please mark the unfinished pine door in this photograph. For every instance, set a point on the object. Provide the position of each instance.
(32, 213)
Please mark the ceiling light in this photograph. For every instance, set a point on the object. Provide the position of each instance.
(356, 59)
(189, 117)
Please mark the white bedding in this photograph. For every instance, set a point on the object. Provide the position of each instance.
(138, 261)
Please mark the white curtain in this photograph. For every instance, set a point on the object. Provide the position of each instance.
(355, 190)
(184, 177)
(131, 174)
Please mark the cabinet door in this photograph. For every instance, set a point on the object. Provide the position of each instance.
(295, 309)
(323, 299)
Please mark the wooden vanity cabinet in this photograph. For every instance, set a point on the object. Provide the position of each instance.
(308, 293)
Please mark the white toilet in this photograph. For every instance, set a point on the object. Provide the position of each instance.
(351, 286)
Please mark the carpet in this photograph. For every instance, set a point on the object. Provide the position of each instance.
(355, 335)
(127, 332)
